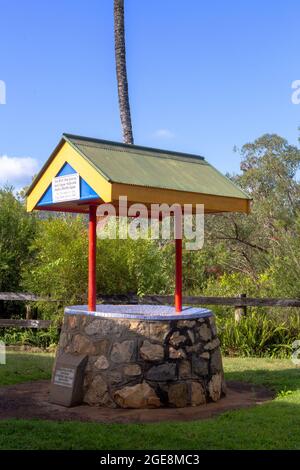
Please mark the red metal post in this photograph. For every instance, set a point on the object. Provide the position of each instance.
(178, 279)
(92, 258)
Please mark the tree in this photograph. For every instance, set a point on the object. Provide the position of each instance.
(120, 55)
(17, 230)
(269, 166)
(59, 265)
(124, 266)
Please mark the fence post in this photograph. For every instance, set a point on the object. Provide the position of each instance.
(240, 311)
(28, 312)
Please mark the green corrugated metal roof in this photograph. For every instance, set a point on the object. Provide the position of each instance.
(144, 166)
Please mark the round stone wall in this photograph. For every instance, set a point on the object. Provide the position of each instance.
(140, 363)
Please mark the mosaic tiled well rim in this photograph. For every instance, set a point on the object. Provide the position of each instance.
(140, 312)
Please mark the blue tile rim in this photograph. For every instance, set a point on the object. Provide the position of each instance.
(140, 312)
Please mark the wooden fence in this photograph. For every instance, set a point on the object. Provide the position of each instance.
(239, 303)
(36, 324)
(28, 322)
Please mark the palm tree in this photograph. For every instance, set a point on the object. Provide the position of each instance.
(120, 54)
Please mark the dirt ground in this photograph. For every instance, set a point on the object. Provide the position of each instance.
(30, 400)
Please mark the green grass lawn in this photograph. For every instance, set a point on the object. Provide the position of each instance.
(274, 425)
(24, 367)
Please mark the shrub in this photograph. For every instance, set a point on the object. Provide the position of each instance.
(258, 334)
(30, 337)
(17, 230)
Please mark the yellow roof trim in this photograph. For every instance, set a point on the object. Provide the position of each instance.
(212, 203)
(67, 154)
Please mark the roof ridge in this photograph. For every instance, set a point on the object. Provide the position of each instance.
(183, 157)
(132, 146)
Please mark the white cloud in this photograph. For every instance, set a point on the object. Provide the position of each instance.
(163, 134)
(17, 171)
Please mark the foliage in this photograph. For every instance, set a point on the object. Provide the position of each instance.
(269, 166)
(284, 270)
(258, 334)
(30, 337)
(133, 266)
(59, 266)
(17, 230)
(60, 251)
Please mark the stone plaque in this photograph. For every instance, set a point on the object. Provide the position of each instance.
(66, 188)
(67, 380)
(65, 377)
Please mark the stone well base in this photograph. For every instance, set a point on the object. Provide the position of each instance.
(147, 357)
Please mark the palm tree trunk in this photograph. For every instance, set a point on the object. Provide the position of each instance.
(120, 54)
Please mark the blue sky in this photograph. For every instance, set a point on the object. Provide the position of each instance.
(204, 76)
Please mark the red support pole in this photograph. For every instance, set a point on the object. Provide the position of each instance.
(92, 259)
(178, 280)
